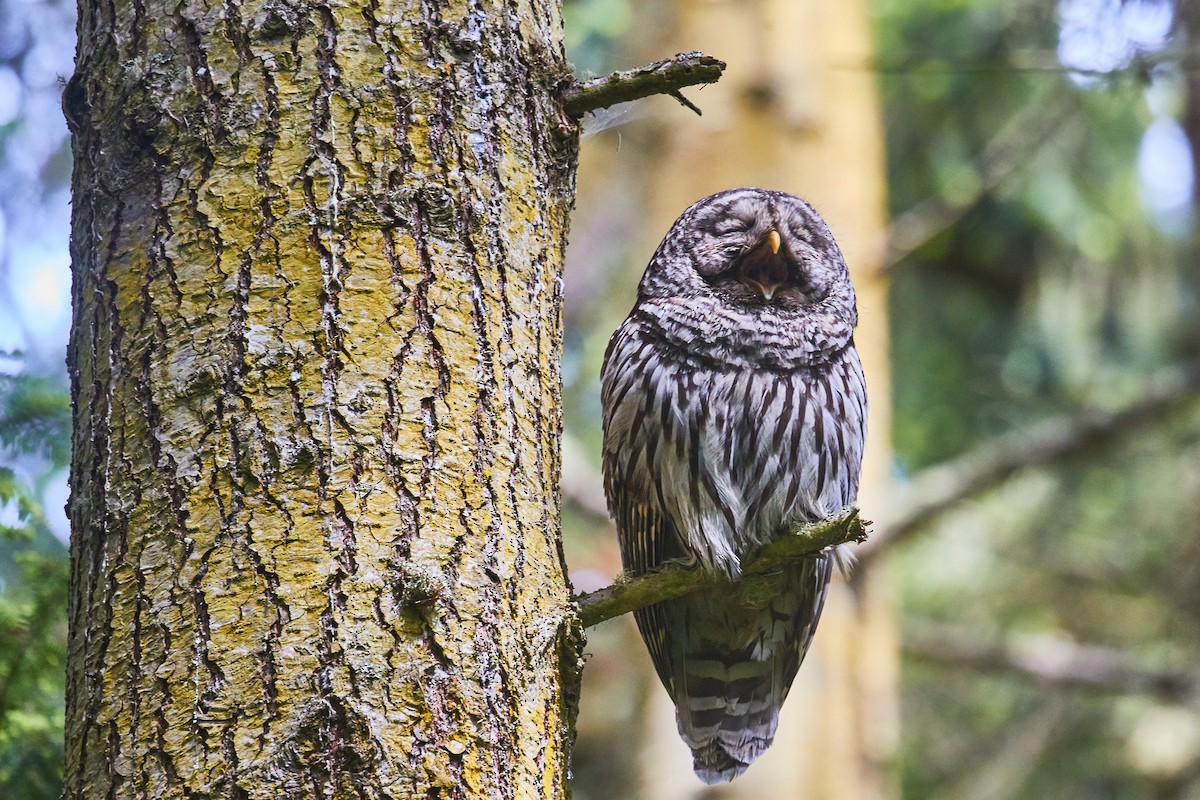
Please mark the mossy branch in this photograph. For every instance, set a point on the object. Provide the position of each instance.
(675, 580)
(662, 77)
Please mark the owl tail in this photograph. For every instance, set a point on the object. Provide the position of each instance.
(728, 665)
(729, 720)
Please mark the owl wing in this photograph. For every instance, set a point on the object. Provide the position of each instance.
(648, 540)
(647, 536)
(702, 464)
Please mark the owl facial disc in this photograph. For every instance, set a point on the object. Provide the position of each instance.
(764, 268)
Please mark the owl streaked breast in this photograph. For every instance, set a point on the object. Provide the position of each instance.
(734, 409)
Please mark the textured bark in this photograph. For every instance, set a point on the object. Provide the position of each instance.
(315, 365)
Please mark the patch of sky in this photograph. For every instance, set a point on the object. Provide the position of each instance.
(1099, 37)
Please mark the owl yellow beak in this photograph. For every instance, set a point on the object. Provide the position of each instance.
(765, 271)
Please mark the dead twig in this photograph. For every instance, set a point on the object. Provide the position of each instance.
(662, 77)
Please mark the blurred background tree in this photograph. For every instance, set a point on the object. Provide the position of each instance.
(783, 116)
(36, 45)
(1042, 261)
(1042, 267)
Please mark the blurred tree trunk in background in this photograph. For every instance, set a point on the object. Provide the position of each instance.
(315, 367)
(797, 110)
(1187, 23)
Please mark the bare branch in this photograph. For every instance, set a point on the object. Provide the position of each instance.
(662, 77)
(676, 580)
(1046, 659)
(688, 104)
(939, 489)
(1019, 753)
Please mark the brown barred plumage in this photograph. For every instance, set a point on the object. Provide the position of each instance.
(734, 409)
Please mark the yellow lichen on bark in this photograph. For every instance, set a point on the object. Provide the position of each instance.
(316, 345)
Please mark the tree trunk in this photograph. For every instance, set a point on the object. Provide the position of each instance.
(797, 111)
(315, 368)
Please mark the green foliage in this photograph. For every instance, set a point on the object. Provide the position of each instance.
(35, 418)
(32, 667)
(16, 493)
(591, 28)
(1043, 285)
(34, 442)
(1031, 181)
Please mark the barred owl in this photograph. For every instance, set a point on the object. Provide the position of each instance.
(734, 409)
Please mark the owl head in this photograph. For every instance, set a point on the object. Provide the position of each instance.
(754, 249)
